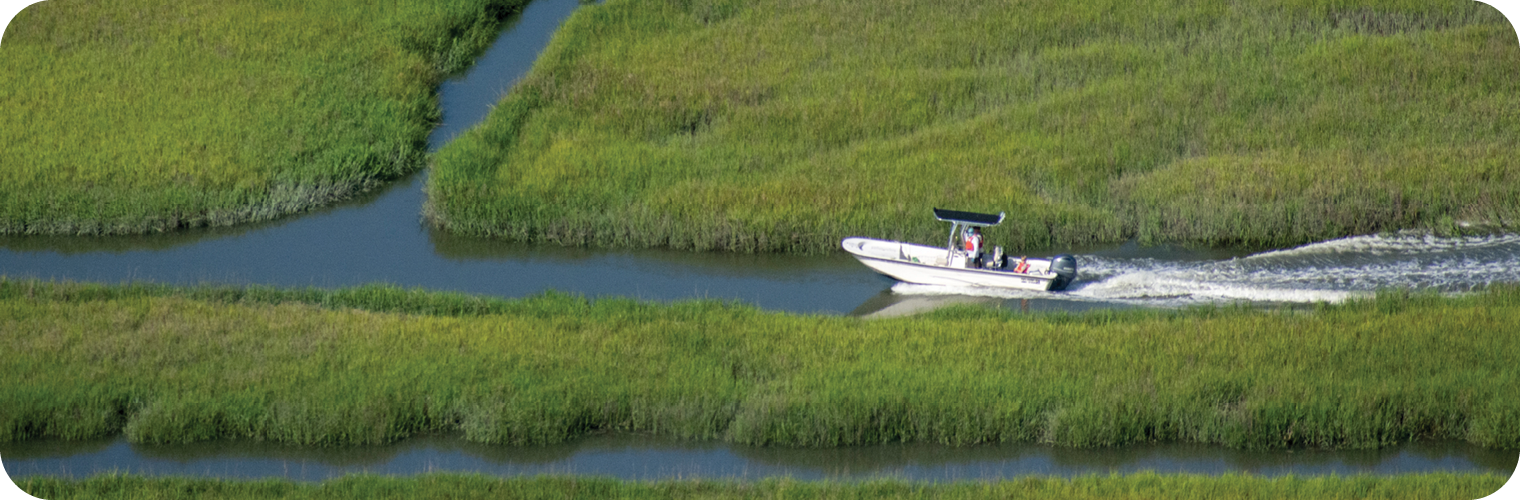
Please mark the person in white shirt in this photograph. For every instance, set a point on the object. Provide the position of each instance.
(973, 240)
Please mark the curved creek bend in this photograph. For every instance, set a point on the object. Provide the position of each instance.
(379, 237)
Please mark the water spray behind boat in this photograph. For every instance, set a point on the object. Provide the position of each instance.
(1330, 271)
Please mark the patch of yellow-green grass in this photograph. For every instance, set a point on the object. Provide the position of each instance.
(140, 116)
(453, 486)
(375, 364)
(786, 125)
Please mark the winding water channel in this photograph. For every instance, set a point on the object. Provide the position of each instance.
(642, 457)
(380, 237)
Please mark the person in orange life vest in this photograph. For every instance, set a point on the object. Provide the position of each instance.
(1023, 266)
(974, 246)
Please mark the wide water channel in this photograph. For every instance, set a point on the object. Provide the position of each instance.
(380, 237)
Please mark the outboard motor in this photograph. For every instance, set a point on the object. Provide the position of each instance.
(1065, 267)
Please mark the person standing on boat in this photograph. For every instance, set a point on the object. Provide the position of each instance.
(974, 246)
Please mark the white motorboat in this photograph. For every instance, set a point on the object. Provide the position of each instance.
(953, 266)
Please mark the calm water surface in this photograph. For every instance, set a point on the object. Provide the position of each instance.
(647, 458)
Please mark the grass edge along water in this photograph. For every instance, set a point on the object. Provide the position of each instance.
(456, 486)
(379, 363)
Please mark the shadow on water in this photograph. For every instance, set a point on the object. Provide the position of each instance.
(697, 265)
(644, 457)
(79, 248)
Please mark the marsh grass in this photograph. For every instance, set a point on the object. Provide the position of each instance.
(785, 125)
(1143, 485)
(375, 364)
(140, 116)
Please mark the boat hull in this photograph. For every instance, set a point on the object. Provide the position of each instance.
(936, 266)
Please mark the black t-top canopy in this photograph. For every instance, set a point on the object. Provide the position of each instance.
(968, 218)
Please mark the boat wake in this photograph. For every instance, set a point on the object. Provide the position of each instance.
(1330, 271)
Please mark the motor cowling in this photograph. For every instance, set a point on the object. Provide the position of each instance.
(1065, 268)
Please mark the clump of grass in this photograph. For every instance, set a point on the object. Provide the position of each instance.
(138, 116)
(376, 364)
(374, 297)
(1143, 485)
(778, 126)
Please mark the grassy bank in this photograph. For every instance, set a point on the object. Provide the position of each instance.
(141, 116)
(1147, 485)
(375, 364)
(785, 125)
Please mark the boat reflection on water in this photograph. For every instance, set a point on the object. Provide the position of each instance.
(891, 303)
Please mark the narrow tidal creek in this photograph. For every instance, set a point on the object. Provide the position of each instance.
(639, 457)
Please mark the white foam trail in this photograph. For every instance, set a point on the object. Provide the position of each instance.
(1402, 243)
(1329, 271)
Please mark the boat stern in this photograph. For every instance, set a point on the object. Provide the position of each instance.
(1065, 269)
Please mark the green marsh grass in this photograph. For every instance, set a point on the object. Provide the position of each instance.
(143, 116)
(376, 364)
(1143, 485)
(786, 125)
